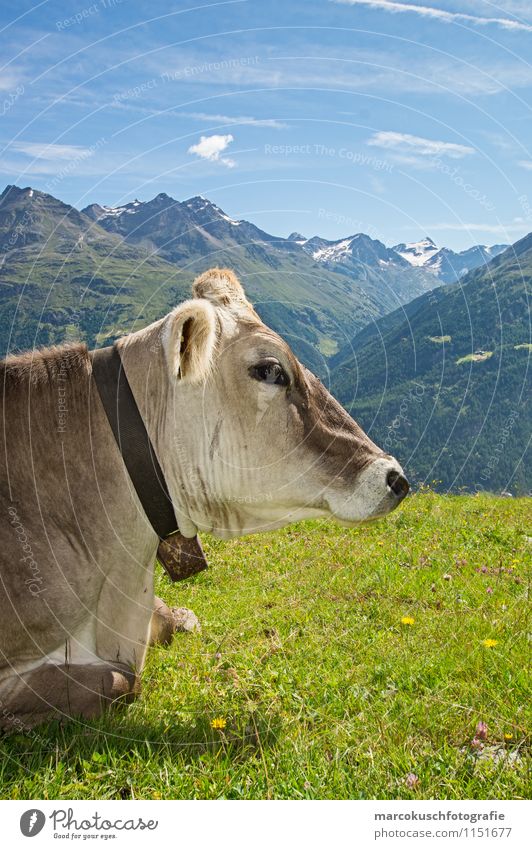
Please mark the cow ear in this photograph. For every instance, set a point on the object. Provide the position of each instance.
(190, 340)
(221, 286)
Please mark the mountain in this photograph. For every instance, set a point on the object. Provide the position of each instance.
(394, 276)
(180, 232)
(97, 273)
(196, 232)
(63, 278)
(444, 383)
(447, 265)
(416, 253)
(359, 247)
(336, 284)
(100, 272)
(309, 304)
(385, 275)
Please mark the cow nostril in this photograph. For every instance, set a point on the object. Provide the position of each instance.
(397, 483)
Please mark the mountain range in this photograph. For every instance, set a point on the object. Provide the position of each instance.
(196, 228)
(314, 290)
(428, 347)
(445, 382)
(98, 272)
(447, 265)
(181, 230)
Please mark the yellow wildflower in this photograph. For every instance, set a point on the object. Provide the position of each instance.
(489, 643)
(407, 620)
(219, 723)
(508, 736)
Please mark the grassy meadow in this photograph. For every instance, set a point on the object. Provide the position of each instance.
(390, 661)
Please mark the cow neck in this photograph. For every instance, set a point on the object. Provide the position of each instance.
(133, 440)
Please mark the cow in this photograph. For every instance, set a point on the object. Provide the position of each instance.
(246, 440)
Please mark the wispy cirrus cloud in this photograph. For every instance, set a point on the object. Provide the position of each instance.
(439, 14)
(51, 152)
(238, 119)
(204, 117)
(408, 144)
(8, 81)
(24, 158)
(210, 148)
(502, 230)
(526, 164)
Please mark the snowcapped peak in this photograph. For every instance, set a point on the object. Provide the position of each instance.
(199, 204)
(333, 252)
(417, 253)
(115, 211)
(198, 201)
(15, 191)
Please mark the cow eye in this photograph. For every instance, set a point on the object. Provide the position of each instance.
(272, 373)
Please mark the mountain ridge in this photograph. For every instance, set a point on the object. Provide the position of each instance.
(422, 366)
(146, 259)
(445, 382)
(358, 245)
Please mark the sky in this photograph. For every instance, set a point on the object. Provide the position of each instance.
(331, 117)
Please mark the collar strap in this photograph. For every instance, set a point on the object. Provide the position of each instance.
(133, 441)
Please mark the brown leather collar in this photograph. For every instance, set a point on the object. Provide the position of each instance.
(180, 557)
(133, 441)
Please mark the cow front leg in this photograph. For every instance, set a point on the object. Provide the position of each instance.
(65, 692)
(165, 621)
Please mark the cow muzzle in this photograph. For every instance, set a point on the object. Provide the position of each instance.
(379, 488)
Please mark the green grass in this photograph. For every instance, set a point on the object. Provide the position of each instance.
(328, 347)
(325, 693)
(475, 358)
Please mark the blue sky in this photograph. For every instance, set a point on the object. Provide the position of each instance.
(398, 119)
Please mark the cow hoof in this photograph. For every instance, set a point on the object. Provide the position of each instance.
(167, 620)
(185, 619)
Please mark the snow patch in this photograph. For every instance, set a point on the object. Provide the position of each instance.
(417, 253)
(333, 253)
(201, 204)
(116, 211)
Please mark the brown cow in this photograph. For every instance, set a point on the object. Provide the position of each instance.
(247, 440)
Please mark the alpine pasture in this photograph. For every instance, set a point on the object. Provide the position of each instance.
(389, 661)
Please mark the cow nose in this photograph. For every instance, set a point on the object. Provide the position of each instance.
(397, 483)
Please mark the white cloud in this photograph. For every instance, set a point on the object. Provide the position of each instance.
(210, 148)
(473, 227)
(247, 120)
(439, 14)
(7, 82)
(526, 163)
(388, 71)
(51, 152)
(238, 119)
(406, 143)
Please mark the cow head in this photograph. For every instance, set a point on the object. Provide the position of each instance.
(249, 439)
